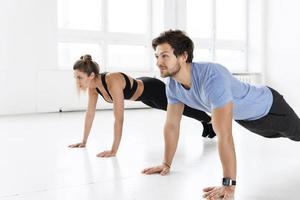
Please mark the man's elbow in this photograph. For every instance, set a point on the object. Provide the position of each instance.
(224, 135)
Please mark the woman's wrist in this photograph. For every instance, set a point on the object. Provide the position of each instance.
(114, 151)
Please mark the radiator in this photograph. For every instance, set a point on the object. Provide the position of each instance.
(247, 77)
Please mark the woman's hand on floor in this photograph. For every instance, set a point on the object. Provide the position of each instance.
(106, 154)
(160, 169)
(77, 145)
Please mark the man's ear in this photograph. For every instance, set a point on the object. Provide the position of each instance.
(184, 56)
(92, 76)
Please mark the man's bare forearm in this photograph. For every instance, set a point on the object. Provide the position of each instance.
(171, 135)
(227, 156)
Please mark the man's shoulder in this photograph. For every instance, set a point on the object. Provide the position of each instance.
(204, 68)
(170, 83)
(206, 65)
(209, 69)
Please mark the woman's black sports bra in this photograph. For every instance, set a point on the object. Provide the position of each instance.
(127, 91)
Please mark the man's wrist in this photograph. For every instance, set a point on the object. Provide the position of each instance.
(228, 182)
(167, 164)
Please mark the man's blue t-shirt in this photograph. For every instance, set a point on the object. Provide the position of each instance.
(212, 86)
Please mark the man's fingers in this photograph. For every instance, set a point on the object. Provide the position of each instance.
(151, 170)
(208, 189)
(101, 154)
(214, 194)
(227, 197)
(147, 169)
(165, 171)
(144, 170)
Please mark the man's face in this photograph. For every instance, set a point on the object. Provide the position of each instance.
(167, 62)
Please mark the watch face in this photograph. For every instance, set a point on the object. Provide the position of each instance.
(226, 182)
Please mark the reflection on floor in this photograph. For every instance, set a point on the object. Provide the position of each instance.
(36, 164)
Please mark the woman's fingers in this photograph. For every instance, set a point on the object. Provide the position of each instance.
(105, 154)
(77, 145)
(161, 169)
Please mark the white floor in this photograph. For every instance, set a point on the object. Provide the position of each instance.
(35, 163)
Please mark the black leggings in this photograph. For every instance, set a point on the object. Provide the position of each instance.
(154, 95)
(281, 121)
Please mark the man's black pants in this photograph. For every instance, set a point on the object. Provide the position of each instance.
(281, 121)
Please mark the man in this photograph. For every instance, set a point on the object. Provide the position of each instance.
(211, 88)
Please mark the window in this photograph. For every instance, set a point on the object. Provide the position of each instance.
(157, 17)
(231, 59)
(219, 30)
(199, 18)
(202, 55)
(122, 18)
(231, 19)
(129, 57)
(70, 52)
(116, 33)
(72, 14)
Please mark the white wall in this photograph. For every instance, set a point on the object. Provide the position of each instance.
(27, 46)
(283, 49)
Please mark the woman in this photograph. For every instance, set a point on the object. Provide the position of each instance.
(114, 88)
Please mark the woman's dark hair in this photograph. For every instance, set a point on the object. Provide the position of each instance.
(178, 40)
(87, 65)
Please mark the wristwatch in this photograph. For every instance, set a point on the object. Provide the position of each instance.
(228, 182)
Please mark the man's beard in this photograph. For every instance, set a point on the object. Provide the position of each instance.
(171, 73)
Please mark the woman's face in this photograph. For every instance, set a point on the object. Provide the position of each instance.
(82, 79)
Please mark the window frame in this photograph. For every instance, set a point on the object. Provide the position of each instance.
(105, 38)
(213, 44)
(174, 17)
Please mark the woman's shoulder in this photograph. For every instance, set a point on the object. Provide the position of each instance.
(114, 74)
(114, 78)
(111, 75)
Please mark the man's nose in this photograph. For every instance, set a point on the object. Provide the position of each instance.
(158, 62)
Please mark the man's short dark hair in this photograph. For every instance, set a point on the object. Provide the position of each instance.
(178, 40)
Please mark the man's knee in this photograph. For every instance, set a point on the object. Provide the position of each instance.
(294, 132)
(295, 138)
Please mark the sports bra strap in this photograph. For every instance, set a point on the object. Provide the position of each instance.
(104, 83)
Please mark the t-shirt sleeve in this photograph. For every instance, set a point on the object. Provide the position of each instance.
(218, 90)
(169, 93)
